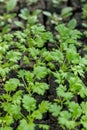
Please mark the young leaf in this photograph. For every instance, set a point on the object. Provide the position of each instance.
(75, 84)
(55, 109)
(29, 103)
(8, 120)
(83, 91)
(17, 97)
(11, 4)
(12, 109)
(29, 76)
(41, 72)
(6, 128)
(13, 56)
(19, 24)
(72, 23)
(43, 126)
(44, 106)
(37, 115)
(64, 120)
(34, 52)
(39, 88)
(57, 55)
(47, 55)
(84, 121)
(21, 73)
(24, 13)
(61, 92)
(84, 107)
(75, 109)
(66, 12)
(11, 84)
(24, 125)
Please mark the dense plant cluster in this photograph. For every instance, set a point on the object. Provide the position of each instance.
(29, 54)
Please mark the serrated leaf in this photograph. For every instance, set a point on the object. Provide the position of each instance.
(61, 92)
(83, 91)
(17, 97)
(84, 107)
(65, 120)
(72, 57)
(29, 76)
(47, 55)
(13, 56)
(84, 121)
(57, 55)
(7, 119)
(37, 114)
(75, 84)
(65, 114)
(6, 128)
(55, 109)
(24, 125)
(44, 127)
(21, 73)
(34, 52)
(29, 103)
(44, 106)
(39, 88)
(12, 109)
(75, 109)
(40, 72)
(12, 84)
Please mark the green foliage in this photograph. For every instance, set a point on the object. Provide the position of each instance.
(29, 103)
(40, 71)
(62, 92)
(10, 5)
(84, 121)
(39, 88)
(44, 106)
(57, 2)
(64, 120)
(75, 110)
(12, 109)
(24, 125)
(24, 13)
(30, 2)
(44, 127)
(84, 11)
(29, 55)
(72, 23)
(6, 128)
(68, 77)
(66, 12)
(55, 109)
(12, 84)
